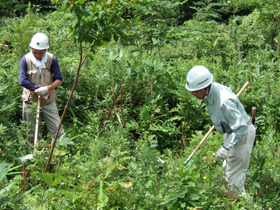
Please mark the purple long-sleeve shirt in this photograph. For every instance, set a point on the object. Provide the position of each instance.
(23, 79)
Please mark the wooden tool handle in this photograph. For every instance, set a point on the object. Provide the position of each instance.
(37, 121)
(242, 89)
(254, 110)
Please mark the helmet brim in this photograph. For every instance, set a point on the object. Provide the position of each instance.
(38, 48)
(201, 87)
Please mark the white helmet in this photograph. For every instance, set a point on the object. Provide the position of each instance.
(39, 41)
(198, 78)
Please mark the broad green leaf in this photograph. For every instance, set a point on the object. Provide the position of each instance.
(7, 188)
(66, 141)
(256, 184)
(121, 53)
(124, 159)
(49, 178)
(102, 198)
(193, 196)
(60, 152)
(155, 41)
(182, 191)
(4, 169)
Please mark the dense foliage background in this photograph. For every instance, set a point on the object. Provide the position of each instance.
(131, 124)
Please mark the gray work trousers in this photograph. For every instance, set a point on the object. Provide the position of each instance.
(50, 116)
(238, 160)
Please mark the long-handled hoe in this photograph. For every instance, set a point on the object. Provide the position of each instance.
(30, 157)
(212, 128)
(37, 121)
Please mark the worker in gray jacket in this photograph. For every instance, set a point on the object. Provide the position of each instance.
(40, 75)
(230, 118)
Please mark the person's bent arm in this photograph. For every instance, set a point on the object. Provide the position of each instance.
(54, 85)
(23, 79)
(237, 122)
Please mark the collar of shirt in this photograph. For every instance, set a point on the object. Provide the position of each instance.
(210, 98)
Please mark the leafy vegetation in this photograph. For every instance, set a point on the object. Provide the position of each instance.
(131, 124)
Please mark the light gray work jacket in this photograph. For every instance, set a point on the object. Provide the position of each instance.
(227, 113)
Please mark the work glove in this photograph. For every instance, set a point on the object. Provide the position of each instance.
(221, 153)
(45, 97)
(42, 91)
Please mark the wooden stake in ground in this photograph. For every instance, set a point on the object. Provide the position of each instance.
(212, 128)
(254, 110)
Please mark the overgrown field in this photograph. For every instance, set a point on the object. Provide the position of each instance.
(131, 124)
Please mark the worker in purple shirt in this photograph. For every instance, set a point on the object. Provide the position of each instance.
(40, 75)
